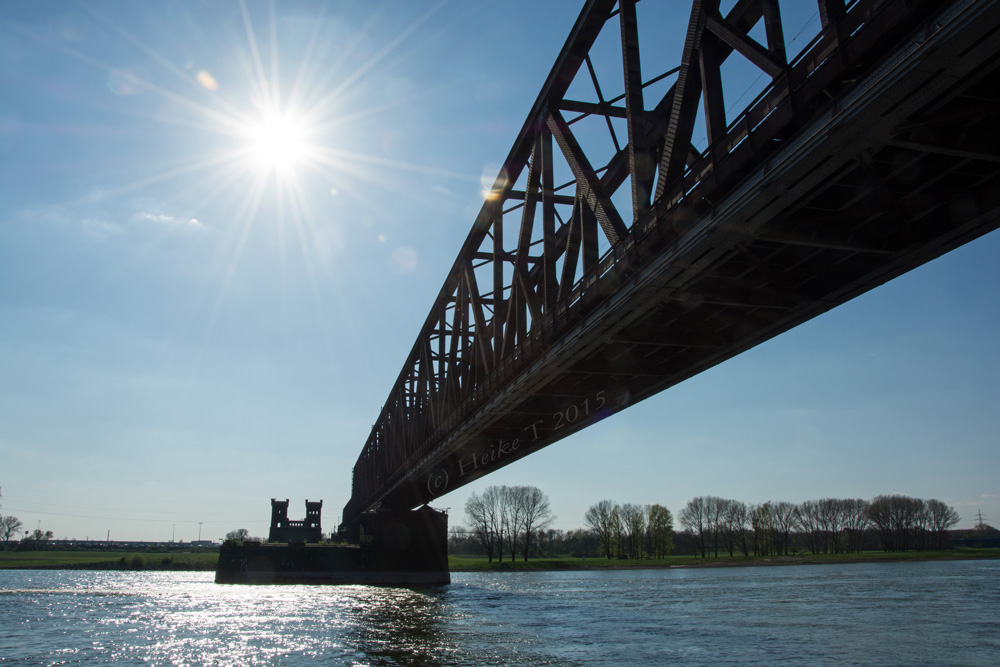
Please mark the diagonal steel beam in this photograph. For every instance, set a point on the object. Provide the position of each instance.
(588, 183)
(687, 93)
(749, 48)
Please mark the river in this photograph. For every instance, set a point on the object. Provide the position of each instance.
(907, 613)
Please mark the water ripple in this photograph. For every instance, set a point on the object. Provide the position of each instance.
(885, 614)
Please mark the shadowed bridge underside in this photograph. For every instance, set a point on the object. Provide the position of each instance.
(873, 151)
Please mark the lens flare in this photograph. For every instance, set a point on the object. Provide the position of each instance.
(208, 81)
(405, 259)
(123, 82)
(492, 183)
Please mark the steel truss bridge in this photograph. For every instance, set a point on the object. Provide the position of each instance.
(615, 256)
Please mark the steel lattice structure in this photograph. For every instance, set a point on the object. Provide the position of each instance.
(872, 151)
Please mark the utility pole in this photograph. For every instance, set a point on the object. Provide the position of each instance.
(172, 533)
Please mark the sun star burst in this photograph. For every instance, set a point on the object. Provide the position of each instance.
(278, 142)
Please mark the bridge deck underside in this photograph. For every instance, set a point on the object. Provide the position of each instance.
(889, 178)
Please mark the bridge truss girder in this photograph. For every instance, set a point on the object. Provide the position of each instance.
(802, 201)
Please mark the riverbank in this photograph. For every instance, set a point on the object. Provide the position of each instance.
(199, 561)
(108, 560)
(481, 564)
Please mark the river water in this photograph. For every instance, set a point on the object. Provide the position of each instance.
(916, 613)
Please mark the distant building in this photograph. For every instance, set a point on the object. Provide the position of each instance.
(283, 530)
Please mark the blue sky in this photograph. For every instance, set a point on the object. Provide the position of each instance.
(191, 324)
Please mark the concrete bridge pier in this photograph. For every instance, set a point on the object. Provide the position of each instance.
(413, 543)
(385, 547)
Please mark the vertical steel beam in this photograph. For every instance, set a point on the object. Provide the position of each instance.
(484, 347)
(550, 283)
(443, 375)
(772, 28)
(498, 284)
(711, 89)
(531, 198)
(573, 238)
(640, 156)
(588, 233)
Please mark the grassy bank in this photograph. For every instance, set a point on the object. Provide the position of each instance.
(109, 560)
(177, 560)
(480, 563)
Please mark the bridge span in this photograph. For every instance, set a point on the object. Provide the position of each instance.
(614, 257)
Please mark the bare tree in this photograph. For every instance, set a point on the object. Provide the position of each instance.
(731, 526)
(633, 520)
(739, 517)
(9, 526)
(715, 510)
(784, 521)
(536, 513)
(481, 516)
(906, 518)
(660, 527)
(831, 517)
(894, 517)
(495, 497)
(808, 515)
(238, 536)
(761, 523)
(694, 518)
(942, 517)
(602, 519)
(855, 524)
(511, 512)
(880, 515)
(727, 524)
(617, 530)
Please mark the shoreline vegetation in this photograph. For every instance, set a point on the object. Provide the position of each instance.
(481, 564)
(202, 561)
(109, 560)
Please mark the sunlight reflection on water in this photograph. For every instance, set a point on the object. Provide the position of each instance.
(904, 613)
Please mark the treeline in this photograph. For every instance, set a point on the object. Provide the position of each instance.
(831, 525)
(545, 543)
(630, 530)
(10, 527)
(508, 518)
(514, 520)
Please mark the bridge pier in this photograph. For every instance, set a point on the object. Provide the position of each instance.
(386, 547)
(410, 545)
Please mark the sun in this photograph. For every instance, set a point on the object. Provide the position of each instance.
(278, 142)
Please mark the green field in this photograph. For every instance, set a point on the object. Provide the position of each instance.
(101, 560)
(178, 560)
(480, 563)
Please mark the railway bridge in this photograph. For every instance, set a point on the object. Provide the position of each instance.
(617, 253)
